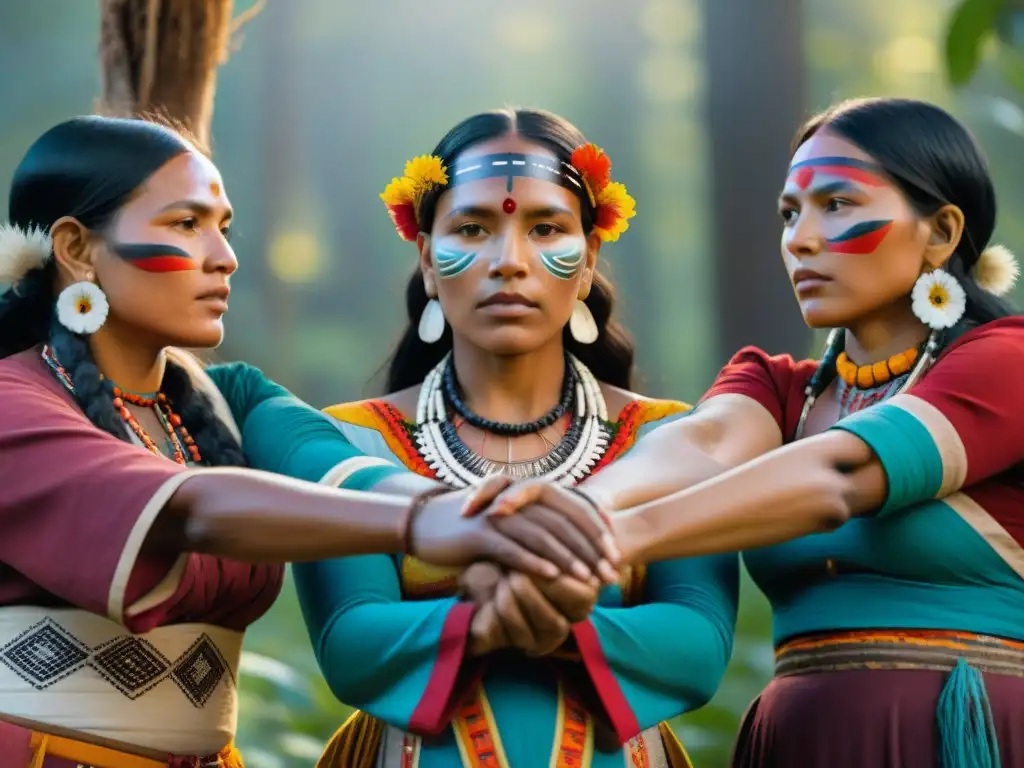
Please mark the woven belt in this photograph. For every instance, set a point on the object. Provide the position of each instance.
(899, 649)
(44, 745)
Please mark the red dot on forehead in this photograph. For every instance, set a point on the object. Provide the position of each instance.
(509, 206)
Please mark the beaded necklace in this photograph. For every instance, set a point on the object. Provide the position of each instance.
(813, 390)
(582, 446)
(178, 439)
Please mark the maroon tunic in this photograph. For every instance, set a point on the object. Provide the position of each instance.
(71, 498)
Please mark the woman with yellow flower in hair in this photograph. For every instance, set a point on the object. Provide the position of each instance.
(512, 365)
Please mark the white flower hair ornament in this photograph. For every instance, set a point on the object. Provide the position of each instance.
(21, 251)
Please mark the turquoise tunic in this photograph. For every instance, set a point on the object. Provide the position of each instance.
(399, 657)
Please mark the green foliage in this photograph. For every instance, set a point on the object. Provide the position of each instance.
(971, 25)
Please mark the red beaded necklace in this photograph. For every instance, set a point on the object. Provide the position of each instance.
(176, 432)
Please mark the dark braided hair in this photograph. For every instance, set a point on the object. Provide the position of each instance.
(611, 356)
(935, 161)
(88, 168)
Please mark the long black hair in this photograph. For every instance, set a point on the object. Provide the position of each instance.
(610, 357)
(88, 168)
(935, 161)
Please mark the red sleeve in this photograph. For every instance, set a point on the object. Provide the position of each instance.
(776, 382)
(976, 385)
(76, 503)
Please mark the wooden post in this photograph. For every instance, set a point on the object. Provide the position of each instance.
(161, 56)
(756, 98)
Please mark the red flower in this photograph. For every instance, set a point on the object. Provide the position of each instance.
(404, 217)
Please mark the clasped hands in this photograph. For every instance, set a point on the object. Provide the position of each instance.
(529, 613)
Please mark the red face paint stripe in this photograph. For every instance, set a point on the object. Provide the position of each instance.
(803, 177)
(164, 264)
(854, 174)
(861, 244)
(154, 257)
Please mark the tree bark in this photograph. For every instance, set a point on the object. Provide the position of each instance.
(161, 57)
(756, 98)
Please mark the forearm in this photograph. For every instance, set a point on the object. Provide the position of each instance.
(722, 433)
(653, 470)
(258, 517)
(809, 487)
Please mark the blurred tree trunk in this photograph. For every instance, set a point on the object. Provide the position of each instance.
(756, 98)
(161, 56)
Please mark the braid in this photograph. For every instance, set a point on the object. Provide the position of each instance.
(25, 312)
(95, 395)
(826, 370)
(216, 444)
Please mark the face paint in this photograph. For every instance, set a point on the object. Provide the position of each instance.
(215, 189)
(860, 238)
(508, 205)
(153, 257)
(452, 263)
(563, 264)
(803, 173)
(512, 165)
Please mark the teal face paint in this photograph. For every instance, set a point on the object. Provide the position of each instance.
(452, 263)
(563, 264)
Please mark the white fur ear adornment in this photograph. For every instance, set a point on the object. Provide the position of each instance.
(21, 251)
(997, 270)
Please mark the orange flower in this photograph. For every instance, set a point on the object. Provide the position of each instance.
(594, 165)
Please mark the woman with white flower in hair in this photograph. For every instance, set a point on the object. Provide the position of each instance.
(874, 490)
(129, 568)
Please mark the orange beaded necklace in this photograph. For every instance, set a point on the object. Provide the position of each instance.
(875, 374)
(177, 434)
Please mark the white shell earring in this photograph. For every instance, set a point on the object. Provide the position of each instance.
(581, 324)
(431, 327)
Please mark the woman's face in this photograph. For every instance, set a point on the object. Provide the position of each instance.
(507, 257)
(852, 244)
(165, 262)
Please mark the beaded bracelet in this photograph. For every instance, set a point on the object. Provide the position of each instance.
(415, 507)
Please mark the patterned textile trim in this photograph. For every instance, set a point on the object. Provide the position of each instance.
(56, 750)
(171, 690)
(392, 426)
(397, 431)
(899, 649)
(476, 734)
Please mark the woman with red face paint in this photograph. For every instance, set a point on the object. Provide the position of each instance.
(512, 364)
(876, 489)
(129, 568)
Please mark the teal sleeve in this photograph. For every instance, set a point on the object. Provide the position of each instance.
(657, 660)
(904, 447)
(284, 435)
(397, 660)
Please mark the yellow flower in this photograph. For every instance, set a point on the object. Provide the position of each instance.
(938, 296)
(425, 171)
(615, 207)
(399, 192)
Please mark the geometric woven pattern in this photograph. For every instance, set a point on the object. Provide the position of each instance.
(46, 652)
